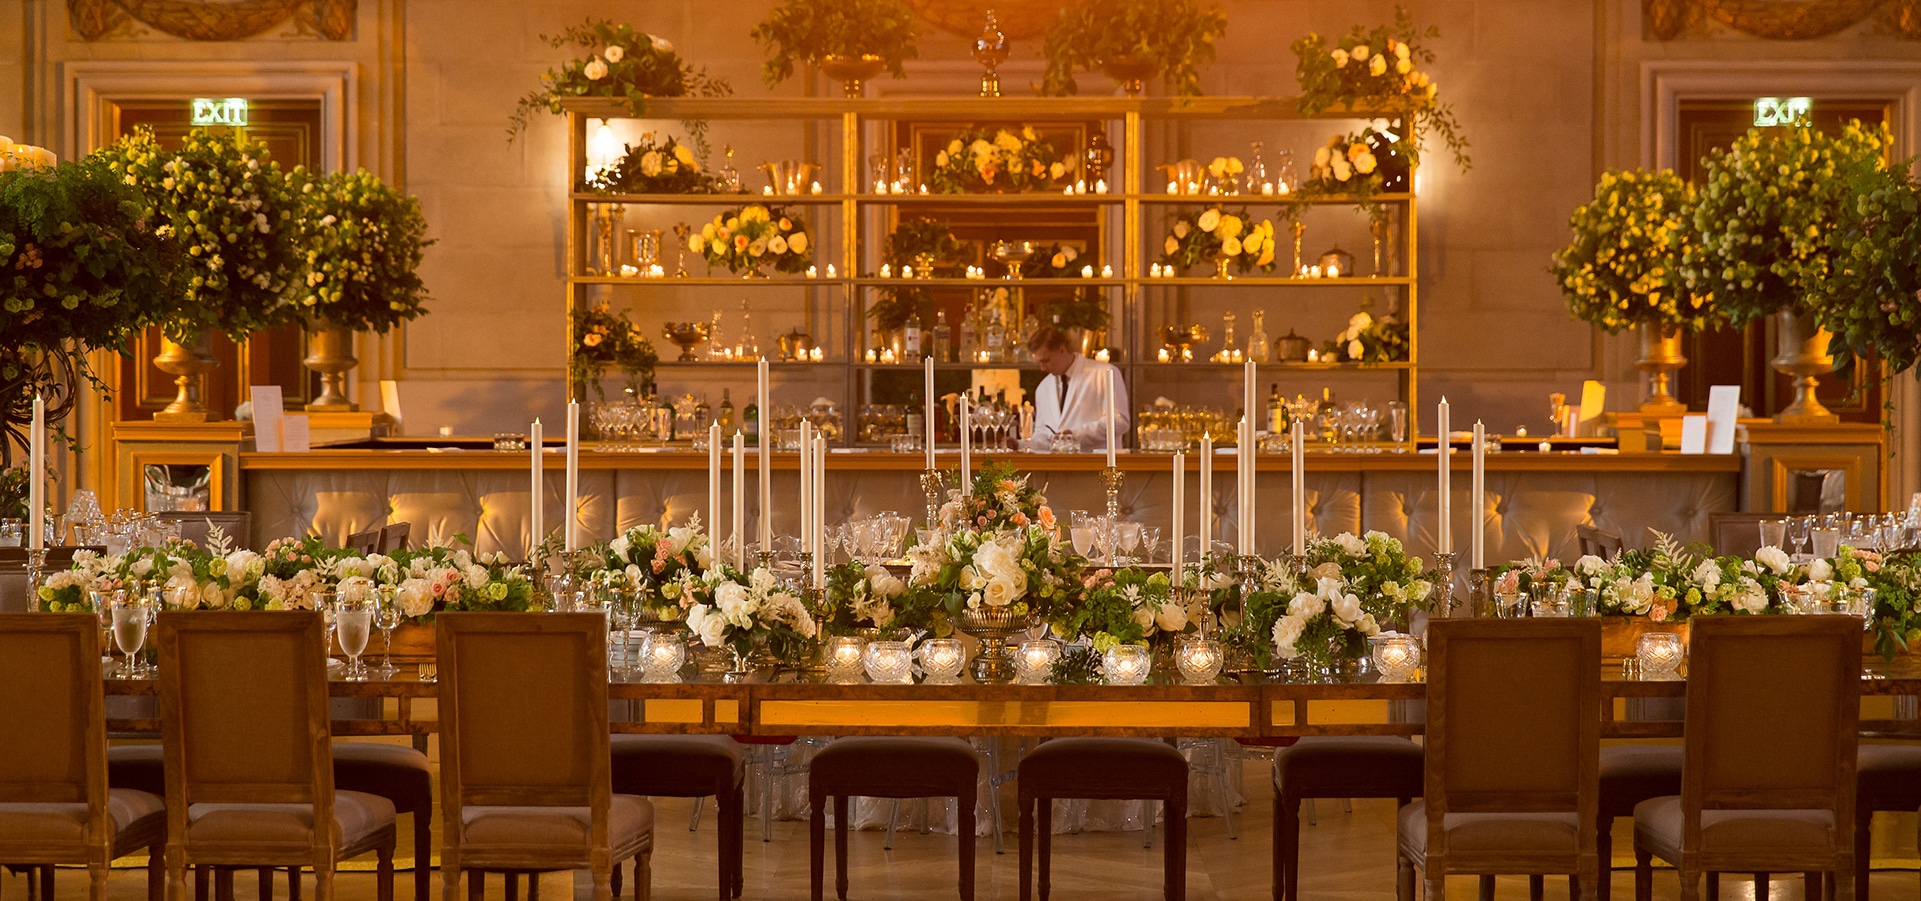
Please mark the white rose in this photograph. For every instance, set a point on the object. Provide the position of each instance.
(211, 596)
(1708, 575)
(142, 566)
(777, 244)
(415, 596)
(1340, 58)
(1403, 66)
(1172, 617)
(1750, 598)
(1820, 570)
(1775, 559)
(619, 546)
(476, 577)
(797, 242)
(1347, 609)
(711, 627)
(595, 70)
(1232, 247)
(1000, 593)
(1589, 565)
(1287, 631)
(1342, 171)
(1209, 220)
(1351, 544)
(614, 52)
(1360, 53)
(1377, 66)
(731, 598)
(1306, 605)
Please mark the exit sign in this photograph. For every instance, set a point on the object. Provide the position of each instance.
(219, 111)
(1771, 111)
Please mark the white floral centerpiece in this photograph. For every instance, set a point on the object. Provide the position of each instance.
(1356, 585)
(664, 568)
(744, 613)
(869, 596)
(1019, 571)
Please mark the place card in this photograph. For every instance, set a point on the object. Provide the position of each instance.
(295, 436)
(1594, 397)
(1724, 402)
(1694, 433)
(268, 412)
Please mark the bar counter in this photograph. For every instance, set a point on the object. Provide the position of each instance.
(1535, 499)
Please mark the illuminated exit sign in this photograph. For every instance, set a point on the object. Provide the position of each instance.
(220, 111)
(1771, 111)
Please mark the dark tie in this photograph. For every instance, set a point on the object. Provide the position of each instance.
(1063, 378)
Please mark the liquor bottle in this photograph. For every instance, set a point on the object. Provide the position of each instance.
(910, 341)
(750, 421)
(1276, 410)
(943, 338)
(1257, 343)
(916, 423)
(968, 341)
(996, 339)
(727, 414)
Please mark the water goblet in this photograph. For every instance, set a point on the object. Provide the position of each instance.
(1826, 541)
(387, 617)
(129, 622)
(1799, 528)
(354, 618)
(1081, 531)
(1549, 599)
(103, 603)
(1130, 537)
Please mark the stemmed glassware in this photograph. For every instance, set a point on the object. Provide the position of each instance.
(387, 617)
(103, 606)
(1799, 528)
(129, 621)
(353, 621)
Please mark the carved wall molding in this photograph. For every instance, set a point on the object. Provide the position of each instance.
(1781, 20)
(1020, 20)
(212, 20)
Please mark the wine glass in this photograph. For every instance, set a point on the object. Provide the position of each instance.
(1799, 528)
(129, 623)
(103, 604)
(1150, 541)
(1397, 424)
(354, 619)
(1081, 531)
(387, 617)
(1130, 538)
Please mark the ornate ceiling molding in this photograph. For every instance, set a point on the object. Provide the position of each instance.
(212, 20)
(1782, 20)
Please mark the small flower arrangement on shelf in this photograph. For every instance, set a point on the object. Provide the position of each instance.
(655, 166)
(605, 338)
(749, 237)
(1221, 237)
(1368, 339)
(1379, 68)
(1127, 606)
(1000, 498)
(1623, 267)
(1000, 160)
(663, 567)
(749, 612)
(1055, 261)
(1357, 585)
(624, 64)
(1022, 569)
(1358, 165)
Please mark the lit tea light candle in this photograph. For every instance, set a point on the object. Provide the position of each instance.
(1087, 271)
(880, 187)
(1267, 187)
(1199, 660)
(923, 189)
(830, 270)
(1080, 186)
(818, 355)
(1126, 664)
(941, 659)
(886, 271)
(661, 656)
(1107, 271)
(768, 191)
(889, 662)
(906, 272)
(844, 658)
(1398, 657)
(1165, 356)
(1035, 658)
(815, 188)
(1313, 356)
(1101, 355)
(1173, 188)
(1100, 186)
(812, 272)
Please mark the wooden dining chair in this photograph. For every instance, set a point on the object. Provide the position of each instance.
(363, 543)
(524, 769)
(1598, 542)
(1513, 748)
(55, 804)
(393, 537)
(243, 713)
(1768, 770)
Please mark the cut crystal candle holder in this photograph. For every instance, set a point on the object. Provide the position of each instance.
(1660, 655)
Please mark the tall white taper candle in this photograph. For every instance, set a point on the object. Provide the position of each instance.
(1110, 418)
(1207, 497)
(927, 405)
(805, 530)
(967, 446)
(1297, 449)
(573, 476)
(1179, 511)
(713, 480)
(1477, 499)
(739, 522)
(537, 503)
(1444, 528)
(765, 450)
(37, 477)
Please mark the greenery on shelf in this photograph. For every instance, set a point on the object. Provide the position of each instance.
(1379, 68)
(1175, 37)
(1623, 267)
(912, 239)
(364, 244)
(623, 64)
(606, 339)
(1768, 208)
(1084, 309)
(237, 220)
(1874, 288)
(809, 31)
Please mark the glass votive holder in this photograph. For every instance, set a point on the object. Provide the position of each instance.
(1548, 599)
(13, 532)
(661, 656)
(889, 662)
(1507, 604)
(1397, 657)
(941, 660)
(1660, 655)
(1826, 541)
(1126, 664)
(1583, 602)
(1035, 660)
(845, 658)
(1199, 660)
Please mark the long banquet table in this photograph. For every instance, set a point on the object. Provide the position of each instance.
(1257, 710)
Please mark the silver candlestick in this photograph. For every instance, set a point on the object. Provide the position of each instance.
(764, 559)
(36, 571)
(1479, 586)
(1111, 477)
(932, 484)
(806, 576)
(1444, 583)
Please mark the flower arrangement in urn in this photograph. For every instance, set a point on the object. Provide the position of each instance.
(1131, 40)
(917, 241)
(624, 64)
(752, 236)
(982, 160)
(1359, 165)
(852, 40)
(1873, 288)
(1127, 606)
(1378, 69)
(1000, 498)
(1024, 570)
(751, 611)
(604, 338)
(364, 242)
(1369, 339)
(1623, 267)
(869, 596)
(1222, 237)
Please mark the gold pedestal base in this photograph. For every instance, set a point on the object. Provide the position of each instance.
(184, 416)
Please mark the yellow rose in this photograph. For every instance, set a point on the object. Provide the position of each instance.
(1230, 227)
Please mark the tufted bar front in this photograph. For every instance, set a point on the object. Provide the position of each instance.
(1534, 500)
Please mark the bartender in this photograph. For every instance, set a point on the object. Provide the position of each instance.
(1073, 395)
